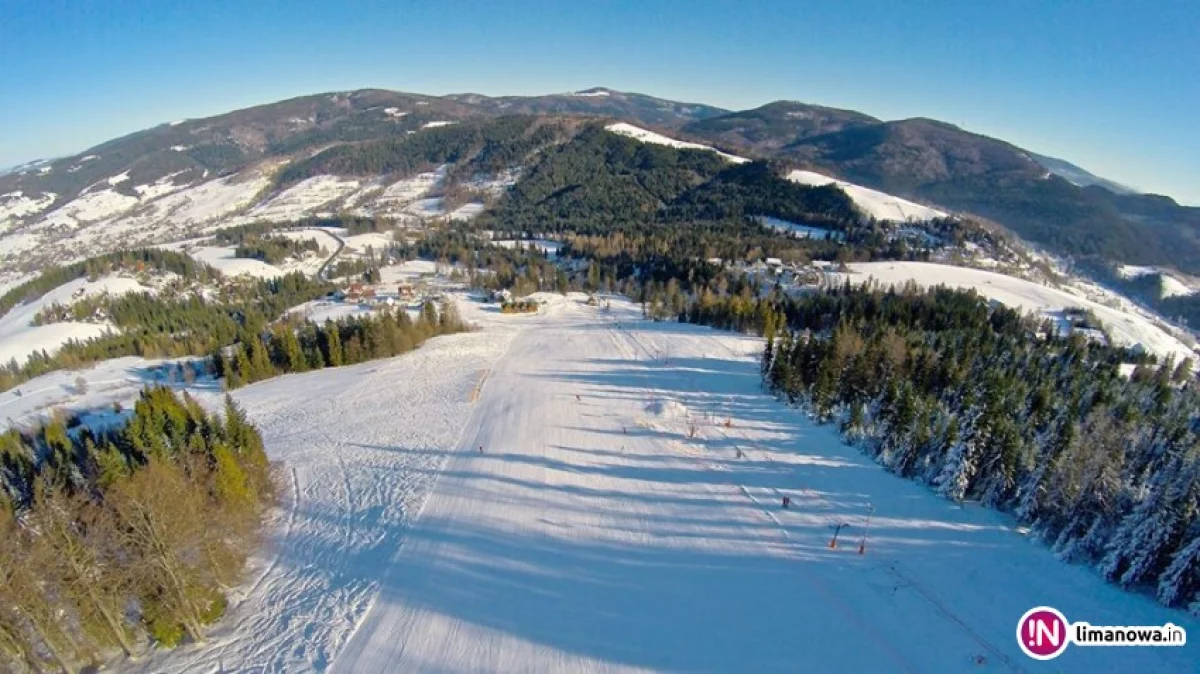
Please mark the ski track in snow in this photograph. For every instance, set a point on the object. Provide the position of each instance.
(614, 522)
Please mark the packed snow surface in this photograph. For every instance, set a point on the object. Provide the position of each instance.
(879, 205)
(1127, 328)
(646, 136)
(623, 515)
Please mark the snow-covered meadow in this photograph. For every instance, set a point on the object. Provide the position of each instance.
(20, 338)
(1127, 326)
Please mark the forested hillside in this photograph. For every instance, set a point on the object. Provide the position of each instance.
(483, 146)
(601, 180)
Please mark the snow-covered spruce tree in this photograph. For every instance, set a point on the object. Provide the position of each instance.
(958, 469)
(768, 356)
(1149, 532)
(1179, 584)
(1034, 497)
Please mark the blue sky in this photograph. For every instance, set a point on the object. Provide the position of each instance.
(1111, 85)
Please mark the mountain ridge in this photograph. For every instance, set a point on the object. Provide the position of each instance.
(922, 159)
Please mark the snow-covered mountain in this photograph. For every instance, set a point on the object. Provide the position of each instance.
(1079, 176)
(919, 160)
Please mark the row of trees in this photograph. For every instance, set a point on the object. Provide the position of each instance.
(275, 249)
(939, 387)
(303, 345)
(116, 539)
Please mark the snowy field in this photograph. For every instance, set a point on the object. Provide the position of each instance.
(598, 531)
(319, 311)
(879, 205)
(646, 136)
(19, 338)
(547, 247)
(118, 380)
(224, 260)
(1126, 327)
(800, 231)
(17, 205)
(1169, 285)
(304, 198)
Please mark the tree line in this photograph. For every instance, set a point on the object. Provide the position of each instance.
(274, 249)
(300, 346)
(117, 539)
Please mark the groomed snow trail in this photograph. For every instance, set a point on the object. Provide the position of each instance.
(360, 448)
(615, 522)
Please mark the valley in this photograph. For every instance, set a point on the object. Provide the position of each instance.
(602, 382)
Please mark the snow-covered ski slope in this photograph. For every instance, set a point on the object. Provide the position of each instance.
(647, 136)
(597, 531)
(879, 205)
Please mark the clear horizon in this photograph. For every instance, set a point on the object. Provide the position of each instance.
(1103, 87)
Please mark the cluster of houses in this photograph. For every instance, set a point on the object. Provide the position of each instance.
(373, 296)
(786, 273)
